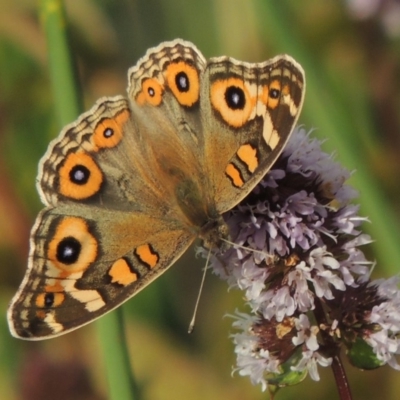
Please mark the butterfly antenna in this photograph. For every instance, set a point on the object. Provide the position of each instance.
(236, 245)
(192, 322)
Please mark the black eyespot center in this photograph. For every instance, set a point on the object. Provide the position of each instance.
(108, 132)
(68, 250)
(48, 299)
(79, 174)
(182, 81)
(235, 98)
(274, 93)
(151, 91)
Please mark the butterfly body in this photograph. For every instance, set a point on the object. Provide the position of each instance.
(134, 181)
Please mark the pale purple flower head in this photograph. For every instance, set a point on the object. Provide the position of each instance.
(303, 274)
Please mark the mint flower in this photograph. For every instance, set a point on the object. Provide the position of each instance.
(303, 274)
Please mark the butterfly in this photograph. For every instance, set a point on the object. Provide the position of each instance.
(135, 180)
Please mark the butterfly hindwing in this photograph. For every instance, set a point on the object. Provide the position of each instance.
(253, 109)
(85, 262)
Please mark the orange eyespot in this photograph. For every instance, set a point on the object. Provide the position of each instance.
(49, 299)
(151, 92)
(108, 132)
(232, 100)
(79, 177)
(72, 248)
(183, 80)
(272, 94)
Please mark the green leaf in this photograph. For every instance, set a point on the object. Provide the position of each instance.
(361, 355)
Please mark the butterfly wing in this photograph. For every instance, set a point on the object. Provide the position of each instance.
(164, 92)
(85, 261)
(97, 161)
(249, 113)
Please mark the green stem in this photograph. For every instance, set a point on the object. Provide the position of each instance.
(116, 357)
(68, 107)
(64, 82)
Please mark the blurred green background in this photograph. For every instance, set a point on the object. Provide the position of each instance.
(350, 51)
